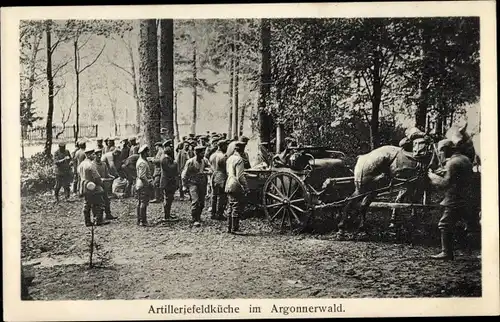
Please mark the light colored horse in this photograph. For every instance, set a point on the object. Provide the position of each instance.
(386, 164)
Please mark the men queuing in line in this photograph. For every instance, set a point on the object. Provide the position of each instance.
(103, 170)
(144, 185)
(91, 188)
(219, 177)
(169, 179)
(63, 163)
(194, 177)
(236, 186)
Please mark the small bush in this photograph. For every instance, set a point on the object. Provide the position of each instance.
(37, 174)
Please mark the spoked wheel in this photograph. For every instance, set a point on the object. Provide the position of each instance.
(286, 202)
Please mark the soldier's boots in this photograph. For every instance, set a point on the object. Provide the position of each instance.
(86, 216)
(446, 247)
(143, 216)
(138, 213)
(158, 196)
(109, 216)
(100, 220)
(233, 224)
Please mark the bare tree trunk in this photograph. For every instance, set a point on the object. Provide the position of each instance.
(77, 88)
(138, 109)
(176, 122)
(195, 90)
(231, 82)
(32, 70)
(265, 80)
(50, 85)
(148, 73)
(376, 100)
(423, 100)
(236, 92)
(167, 74)
(242, 118)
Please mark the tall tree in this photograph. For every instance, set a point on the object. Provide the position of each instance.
(50, 84)
(236, 91)
(166, 49)
(265, 81)
(149, 89)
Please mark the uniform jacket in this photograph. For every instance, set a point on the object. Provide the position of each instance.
(134, 149)
(62, 165)
(218, 165)
(143, 173)
(193, 172)
(169, 173)
(88, 172)
(236, 181)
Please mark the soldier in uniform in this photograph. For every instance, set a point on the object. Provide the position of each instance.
(456, 183)
(130, 172)
(106, 146)
(103, 170)
(100, 145)
(219, 176)
(169, 178)
(181, 159)
(144, 185)
(78, 159)
(236, 186)
(194, 177)
(125, 151)
(92, 189)
(63, 163)
(112, 160)
(134, 147)
(157, 173)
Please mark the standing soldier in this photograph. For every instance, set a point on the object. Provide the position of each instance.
(236, 186)
(63, 163)
(78, 159)
(103, 170)
(456, 183)
(219, 176)
(144, 185)
(91, 188)
(106, 146)
(169, 179)
(157, 173)
(130, 172)
(181, 160)
(194, 177)
(100, 146)
(112, 160)
(125, 152)
(134, 147)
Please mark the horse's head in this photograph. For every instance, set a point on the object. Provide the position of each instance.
(422, 147)
(462, 141)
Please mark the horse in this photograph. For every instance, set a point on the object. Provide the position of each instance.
(383, 167)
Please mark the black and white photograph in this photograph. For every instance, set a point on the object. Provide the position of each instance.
(193, 164)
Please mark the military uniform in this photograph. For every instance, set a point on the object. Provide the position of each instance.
(195, 179)
(62, 162)
(181, 159)
(130, 172)
(78, 158)
(157, 174)
(144, 188)
(93, 198)
(103, 170)
(134, 148)
(219, 177)
(457, 183)
(168, 181)
(236, 189)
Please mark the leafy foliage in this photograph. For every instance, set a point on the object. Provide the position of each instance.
(37, 174)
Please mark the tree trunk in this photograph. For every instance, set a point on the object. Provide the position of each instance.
(231, 82)
(236, 93)
(148, 73)
(77, 88)
(50, 84)
(265, 80)
(167, 75)
(32, 70)
(242, 118)
(376, 100)
(176, 122)
(138, 109)
(423, 99)
(195, 90)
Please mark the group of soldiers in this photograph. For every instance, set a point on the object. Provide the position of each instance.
(200, 166)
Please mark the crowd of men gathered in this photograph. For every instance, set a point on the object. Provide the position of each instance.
(199, 165)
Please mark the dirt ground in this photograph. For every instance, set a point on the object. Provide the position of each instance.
(177, 261)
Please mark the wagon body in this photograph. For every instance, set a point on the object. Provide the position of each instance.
(290, 189)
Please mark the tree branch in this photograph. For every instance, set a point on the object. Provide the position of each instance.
(56, 70)
(122, 68)
(367, 85)
(84, 43)
(95, 59)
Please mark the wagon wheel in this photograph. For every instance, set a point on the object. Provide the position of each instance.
(286, 201)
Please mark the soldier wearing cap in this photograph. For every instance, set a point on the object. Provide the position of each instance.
(106, 145)
(134, 147)
(77, 160)
(194, 177)
(112, 160)
(181, 159)
(103, 170)
(144, 185)
(158, 197)
(232, 147)
(219, 177)
(236, 186)
(169, 178)
(125, 150)
(100, 144)
(91, 188)
(130, 172)
(62, 163)
(190, 150)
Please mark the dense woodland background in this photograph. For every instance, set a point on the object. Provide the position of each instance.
(352, 84)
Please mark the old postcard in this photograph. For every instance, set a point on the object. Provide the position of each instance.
(250, 161)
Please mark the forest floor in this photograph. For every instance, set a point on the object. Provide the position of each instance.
(177, 261)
